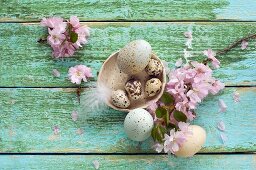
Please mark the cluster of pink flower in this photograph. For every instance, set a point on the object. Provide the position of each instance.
(191, 83)
(65, 37)
(79, 73)
(174, 141)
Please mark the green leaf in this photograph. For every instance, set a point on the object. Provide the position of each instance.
(167, 98)
(160, 112)
(167, 118)
(153, 132)
(179, 116)
(73, 36)
(171, 126)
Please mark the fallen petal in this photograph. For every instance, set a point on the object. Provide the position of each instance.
(236, 97)
(56, 73)
(221, 126)
(244, 44)
(222, 105)
(56, 130)
(96, 164)
(74, 115)
(178, 62)
(224, 138)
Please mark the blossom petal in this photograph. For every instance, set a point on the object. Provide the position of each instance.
(236, 96)
(178, 62)
(56, 73)
(222, 105)
(244, 44)
(223, 138)
(221, 126)
(96, 164)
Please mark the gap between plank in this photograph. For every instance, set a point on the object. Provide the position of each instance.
(123, 20)
(69, 87)
(75, 153)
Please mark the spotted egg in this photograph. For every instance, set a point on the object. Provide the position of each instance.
(138, 124)
(153, 87)
(134, 57)
(120, 99)
(154, 68)
(134, 89)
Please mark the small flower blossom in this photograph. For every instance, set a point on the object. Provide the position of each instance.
(244, 45)
(222, 105)
(158, 147)
(211, 55)
(79, 73)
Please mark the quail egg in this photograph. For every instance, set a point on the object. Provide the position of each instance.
(134, 89)
(134, 57)
(120, 99)
(154, 67)
(153, 86)
(138, 124)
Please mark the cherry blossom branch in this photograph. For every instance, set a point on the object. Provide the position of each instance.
(235, 44)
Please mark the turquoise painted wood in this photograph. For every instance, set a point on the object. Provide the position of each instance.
(25, 10)
(28, 114)
(27, 117)
(26, 63)
(128, 162)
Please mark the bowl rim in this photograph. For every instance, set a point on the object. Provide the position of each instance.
(146, 104)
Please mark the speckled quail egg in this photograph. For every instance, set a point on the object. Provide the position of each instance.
(134, 57)
(193, 143)
(154, 67)
(138, 124)
(120, 99)
(153, 86)
(134, 89)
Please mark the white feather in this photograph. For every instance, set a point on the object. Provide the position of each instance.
(94, 99)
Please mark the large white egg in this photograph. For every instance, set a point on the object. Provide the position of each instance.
(193, 143)
(134, 57)
(138, 124)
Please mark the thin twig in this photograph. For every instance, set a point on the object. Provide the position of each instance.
(235, 44)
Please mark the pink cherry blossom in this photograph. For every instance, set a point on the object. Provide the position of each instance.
(211, 55)
(170, 145)
(79, 73)
(56, 130)
(60, 35)
(244, 44)
(55, 37)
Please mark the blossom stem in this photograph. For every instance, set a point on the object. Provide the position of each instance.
(235, 44)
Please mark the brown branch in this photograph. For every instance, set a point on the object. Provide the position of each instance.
(235, 44)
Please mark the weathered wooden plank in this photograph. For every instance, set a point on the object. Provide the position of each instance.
(27, 117)
(147, 162)
(29, 63)
(129, 10)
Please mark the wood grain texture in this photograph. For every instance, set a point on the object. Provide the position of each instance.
(116, 162)
(26, 10)
(27, 117)
(26, 63)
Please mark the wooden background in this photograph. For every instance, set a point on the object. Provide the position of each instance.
(32, 101)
